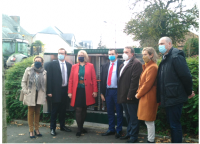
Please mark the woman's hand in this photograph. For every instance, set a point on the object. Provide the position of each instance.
(69, 95)
(94, 94)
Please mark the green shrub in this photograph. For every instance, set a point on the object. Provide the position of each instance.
(190, 111)
(15, 108)
(191, 47)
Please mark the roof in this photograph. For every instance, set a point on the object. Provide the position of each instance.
(51, 30)
(9, 23)
(67, 36)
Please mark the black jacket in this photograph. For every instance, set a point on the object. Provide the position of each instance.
(54, 80)
(104, 75)
(174, 81)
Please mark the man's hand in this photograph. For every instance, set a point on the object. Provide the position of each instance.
(94, 94)
(50, 95)
(128, 98)
(136, 96)
(102, 97)
(192, 95)
(70, 95)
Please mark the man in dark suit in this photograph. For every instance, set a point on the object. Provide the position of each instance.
(109, 77)
(46, 67)
(129, 75)
(57, 88)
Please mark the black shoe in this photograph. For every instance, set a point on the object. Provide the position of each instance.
(65, 129)
(131, 141)
(124, 137)
(31, 136)
(83, 131)
(78, 134)
(53, 132)
(108, 133)
(150, 142)
(38, 134)
(118, 135)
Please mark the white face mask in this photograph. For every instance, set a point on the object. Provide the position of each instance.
(125, 56)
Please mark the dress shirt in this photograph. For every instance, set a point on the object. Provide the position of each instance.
(125, 63)
(114, 75)
(65, 69)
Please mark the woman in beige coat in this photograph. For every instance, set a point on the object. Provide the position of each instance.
(34, 93)
(146, 93)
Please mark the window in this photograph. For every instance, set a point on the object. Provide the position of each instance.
(8, 48)
(22, 48)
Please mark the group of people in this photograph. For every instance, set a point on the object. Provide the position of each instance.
(126, 86)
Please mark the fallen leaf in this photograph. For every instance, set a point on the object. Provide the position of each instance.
(142, 137)
(187, 141)
(54, 137)
(15, 122)
(140, 141)
(82, 134)
(12, 123)
(21, 134)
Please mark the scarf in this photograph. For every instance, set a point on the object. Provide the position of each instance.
(40, 78)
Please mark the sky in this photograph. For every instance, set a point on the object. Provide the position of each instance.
(87, 19)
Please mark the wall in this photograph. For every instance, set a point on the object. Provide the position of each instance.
(52, 42)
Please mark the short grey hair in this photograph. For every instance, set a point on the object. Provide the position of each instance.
(131, 48)
(167, 39)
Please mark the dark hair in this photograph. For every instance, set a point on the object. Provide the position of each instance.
(130, 47)
(114, 50)
(62, 49)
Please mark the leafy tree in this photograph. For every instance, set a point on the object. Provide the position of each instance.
(38, 47)
(159, 19)
(191, 47)
(100, 46)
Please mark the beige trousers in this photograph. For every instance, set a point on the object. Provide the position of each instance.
(33, 115)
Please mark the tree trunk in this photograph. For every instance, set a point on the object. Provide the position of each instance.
(4, 118)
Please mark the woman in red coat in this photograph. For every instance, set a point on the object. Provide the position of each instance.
(82, 88)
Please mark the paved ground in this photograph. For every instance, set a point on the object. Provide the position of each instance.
(18, 133)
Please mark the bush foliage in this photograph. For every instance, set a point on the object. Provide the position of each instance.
(15, 108)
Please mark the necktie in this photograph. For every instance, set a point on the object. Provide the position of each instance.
(110, 75)
(63, 74)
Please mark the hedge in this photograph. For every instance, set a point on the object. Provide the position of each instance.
(17, 110)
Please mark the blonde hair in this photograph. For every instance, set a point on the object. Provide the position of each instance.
(37, 56)
(86, 58)
(151, 51)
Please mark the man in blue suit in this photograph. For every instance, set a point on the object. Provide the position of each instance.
(109, 77)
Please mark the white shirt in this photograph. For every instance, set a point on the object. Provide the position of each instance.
(114, 75)
(125, 63)
(65, 68)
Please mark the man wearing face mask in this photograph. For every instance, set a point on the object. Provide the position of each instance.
(129, 74)
(57, 87)
(174, 85)
(109, 77)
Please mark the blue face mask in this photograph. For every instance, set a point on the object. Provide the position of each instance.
(38, 64)
(61, 57)
(81, 59)
(111, 57)
(162, 49)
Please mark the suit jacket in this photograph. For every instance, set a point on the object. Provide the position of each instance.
(128, 81)
(89, 81)
(54, 80)
(104, 75)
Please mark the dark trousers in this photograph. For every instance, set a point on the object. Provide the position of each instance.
(111, 103)
(132, 120)
(173, 117)
(59, 108)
